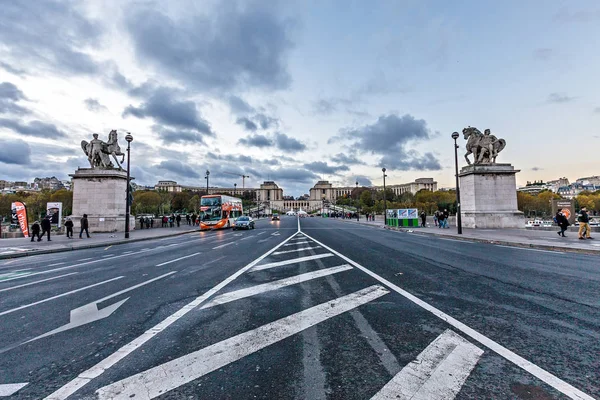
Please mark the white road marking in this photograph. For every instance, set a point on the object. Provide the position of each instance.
(438, 373)
(107, 255)
(295, 243)
(40, 281)
(525, 248)
(261, 233)
(292, 261)
(55, 264)
(177, 259)
(58, 296)
(270, 286)
(128, 252)
(454, 240)
(84, 259)
(95, 371)
(8, 389)
(89, 313)
(296, 250)
(540, 373)
(159, 380)
(223, 245)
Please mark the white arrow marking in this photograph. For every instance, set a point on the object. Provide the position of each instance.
(275, 234)
(8, 389)
(159, 380)
(90, 313)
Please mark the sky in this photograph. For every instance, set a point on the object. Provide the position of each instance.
(297, 92)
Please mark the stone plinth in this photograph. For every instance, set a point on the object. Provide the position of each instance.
(488, 195)
(101, 194)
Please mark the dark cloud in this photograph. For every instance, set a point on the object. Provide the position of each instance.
(234, 46)
(33, 128)
(559, 98)
(350, 159)
(286, 143)
(165, 109)
(231, 158)
(292, 175)
(239, 106)
(247, 124)
(94, 105)
(181, 136)
(10, 69)
(9, 96)
(15, 152)
(544, 54)
(266, 122)
(363, 180)
(178, 168)
(324, 168)
(256, 141)
(388, 137)
(48, 33)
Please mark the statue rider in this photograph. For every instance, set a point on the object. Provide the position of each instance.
(487, 143)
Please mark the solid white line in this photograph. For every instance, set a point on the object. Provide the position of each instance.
(159, 380)
(296, 250)
(270, 286)
(8, 389)
(95, 371)
(438, 372)
(55, 264)
(287, 262)
(552, 380)
(33, 283)
(295, 243)
(57, 296)
(177, 259)
(525, 248)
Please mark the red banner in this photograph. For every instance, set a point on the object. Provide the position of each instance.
(20, 211)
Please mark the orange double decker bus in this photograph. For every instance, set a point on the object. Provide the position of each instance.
(219, 211)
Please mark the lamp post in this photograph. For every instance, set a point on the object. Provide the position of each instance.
(384, 199)
(357, 198)
(206, 177)
(129, 139)
(455, 136)
(234, 189)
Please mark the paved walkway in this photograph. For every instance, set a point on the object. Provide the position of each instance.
(24, 246)
(543, 239)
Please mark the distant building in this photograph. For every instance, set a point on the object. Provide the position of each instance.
(5, 184)
(51, 183)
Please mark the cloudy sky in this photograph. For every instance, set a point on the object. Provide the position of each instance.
(296, 91)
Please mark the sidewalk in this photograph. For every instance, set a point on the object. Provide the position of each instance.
(20, 247)
(531, 238)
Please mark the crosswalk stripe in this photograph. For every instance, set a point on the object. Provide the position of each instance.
(287, 262)
(8, 389)
(160, 379)
(438, 373)
(296, 243)
(266, 287)
(296, 250)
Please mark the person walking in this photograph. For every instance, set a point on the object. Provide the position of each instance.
(46, 227)
(423, 219)
(69, 226)
(178, 219)
(84, 226)
(562, 222)
(436, 217)
(446, 215)
(151, 222)
(35, 231)
(141, 222)
(584, 225)
(440, 219)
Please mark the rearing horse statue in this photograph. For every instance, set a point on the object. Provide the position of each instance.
(112, 148)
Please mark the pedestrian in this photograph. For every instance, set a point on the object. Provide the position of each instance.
(178, 219)
(164, 221)
(151, 222)
(188, 219)
(69, 226)
(436, 216)
(440, 219)
(584, 225)
(446, 215)
(46, 227)
(423, 218)
(141, 222)
(562, 222)
(35, 231)
(84, 226)
(171, 220)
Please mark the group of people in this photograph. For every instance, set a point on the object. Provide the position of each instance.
(440, 219)
(169, 221)
(584, 224)
(38, 230)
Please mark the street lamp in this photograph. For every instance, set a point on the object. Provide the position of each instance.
(129, 139)
(455, 136)
(384, 199)
(234, 189)
(357, 199)
(206, 177)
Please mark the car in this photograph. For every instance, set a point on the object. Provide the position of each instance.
(275, 217)
(243, 222)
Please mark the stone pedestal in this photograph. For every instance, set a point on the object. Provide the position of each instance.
(488, 195)
(101, 194)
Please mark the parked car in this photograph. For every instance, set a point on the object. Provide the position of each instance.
(243, 222)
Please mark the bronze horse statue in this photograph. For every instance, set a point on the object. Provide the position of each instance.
(484, 147)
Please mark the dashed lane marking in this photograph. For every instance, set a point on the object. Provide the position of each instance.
(177, 259)
(40, 281)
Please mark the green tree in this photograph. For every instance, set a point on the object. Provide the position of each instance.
(146, 202)
(194, 204)
(66, 198)
(180, 201)
(366, 199)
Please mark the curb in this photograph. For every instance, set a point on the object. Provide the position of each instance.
(503, 242)
(90, 246)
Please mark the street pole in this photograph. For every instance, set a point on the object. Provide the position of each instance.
(384, 199)
(455, 136)
(129, 139)
(234, 189)
(206, 177)
(357, 199)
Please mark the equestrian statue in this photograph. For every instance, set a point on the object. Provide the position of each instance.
(98, 152)
(484, 146)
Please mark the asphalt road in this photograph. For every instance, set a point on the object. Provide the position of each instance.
(308, 309)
